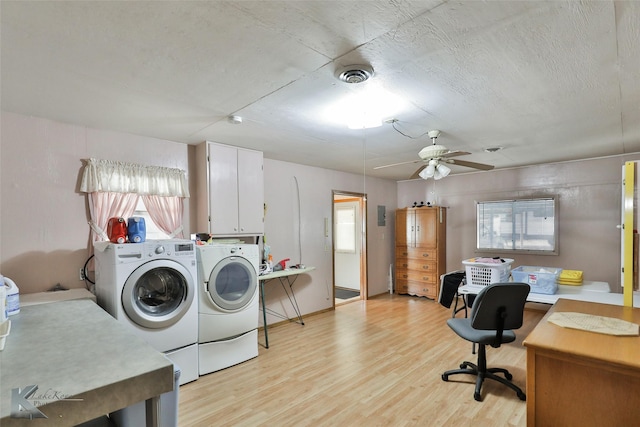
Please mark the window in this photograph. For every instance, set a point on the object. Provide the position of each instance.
(153, 232)
(526, 225)
(346, 229)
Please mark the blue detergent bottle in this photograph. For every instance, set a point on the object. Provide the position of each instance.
(136, 229)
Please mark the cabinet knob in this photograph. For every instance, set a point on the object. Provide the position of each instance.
(425, 267)
(425, 255)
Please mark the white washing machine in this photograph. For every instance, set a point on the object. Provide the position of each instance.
(151, 288)
(228, 301)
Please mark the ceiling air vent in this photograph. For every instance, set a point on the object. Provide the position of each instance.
(355, 73)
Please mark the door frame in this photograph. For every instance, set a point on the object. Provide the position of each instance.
(364, 283)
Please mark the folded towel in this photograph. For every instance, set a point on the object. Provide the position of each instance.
(570, 277)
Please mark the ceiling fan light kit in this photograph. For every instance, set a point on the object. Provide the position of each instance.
(434, 156)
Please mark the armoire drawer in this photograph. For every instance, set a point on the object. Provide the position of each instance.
(414, 288)
(416, 265)
(419, 276)
(416, 253)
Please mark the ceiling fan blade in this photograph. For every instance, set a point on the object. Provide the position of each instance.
(398, 164)
(416, 174)
(468, 164)
(455, 153)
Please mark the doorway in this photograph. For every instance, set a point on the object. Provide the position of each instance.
(349, 247)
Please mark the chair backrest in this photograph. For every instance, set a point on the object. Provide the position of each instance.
(499, 306)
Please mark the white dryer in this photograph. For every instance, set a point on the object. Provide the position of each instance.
(228, 301)
(151, 288)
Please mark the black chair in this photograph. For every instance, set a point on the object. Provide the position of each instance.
(497, 310)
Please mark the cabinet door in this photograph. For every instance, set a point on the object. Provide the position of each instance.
(250, 192)
(426, 227)
(223, 189)
(404, 228)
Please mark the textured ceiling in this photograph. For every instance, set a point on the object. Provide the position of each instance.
(548, 81)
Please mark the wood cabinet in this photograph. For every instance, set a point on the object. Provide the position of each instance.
(420, 250)
(230, 190)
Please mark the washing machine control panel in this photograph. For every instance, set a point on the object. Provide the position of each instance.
(170, 248)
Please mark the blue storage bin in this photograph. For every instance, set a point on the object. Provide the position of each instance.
(543, 280)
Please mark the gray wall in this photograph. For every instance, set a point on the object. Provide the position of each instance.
(589, 211)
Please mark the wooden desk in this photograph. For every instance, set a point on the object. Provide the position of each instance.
(83, 362)
(581, 378)
(286, 278)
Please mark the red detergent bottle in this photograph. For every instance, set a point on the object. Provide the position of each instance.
(117, 230)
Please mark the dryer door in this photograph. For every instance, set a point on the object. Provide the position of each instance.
(158, 293)
(233, 283)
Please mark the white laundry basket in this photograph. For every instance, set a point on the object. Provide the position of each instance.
(485, 273)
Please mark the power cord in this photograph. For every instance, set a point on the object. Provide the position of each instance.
(84, 271)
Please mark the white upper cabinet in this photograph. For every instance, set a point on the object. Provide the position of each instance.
(230, 190)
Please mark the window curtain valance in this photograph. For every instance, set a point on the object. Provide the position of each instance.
(121, 177)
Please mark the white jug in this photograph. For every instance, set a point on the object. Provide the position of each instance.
(12, 297)
(3, 300)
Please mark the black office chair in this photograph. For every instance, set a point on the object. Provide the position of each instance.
(497, 310)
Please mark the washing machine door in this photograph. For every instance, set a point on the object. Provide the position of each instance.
(158, 293)
(233, 283)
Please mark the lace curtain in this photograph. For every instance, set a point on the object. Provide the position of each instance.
(113, 190)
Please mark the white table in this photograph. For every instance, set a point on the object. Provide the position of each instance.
(589, 291)
(286, 278)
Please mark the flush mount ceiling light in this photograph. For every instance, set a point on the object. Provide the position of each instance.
(234, 120)
(364, 108)
(355, 73)
(493, 149)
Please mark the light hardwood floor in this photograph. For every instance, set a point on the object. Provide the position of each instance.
(375, 363)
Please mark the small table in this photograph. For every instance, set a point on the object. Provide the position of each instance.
(581, 378)
(83, 363)
(286, 277)
(588, 291)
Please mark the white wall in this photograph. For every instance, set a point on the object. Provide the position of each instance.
(589, 201)
(314, 292)
(44, 236)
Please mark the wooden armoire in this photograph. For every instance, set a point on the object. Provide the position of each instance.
(420, 250)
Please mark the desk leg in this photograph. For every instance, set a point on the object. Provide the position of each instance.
(152, 407)
(292, 296)
(264, 316)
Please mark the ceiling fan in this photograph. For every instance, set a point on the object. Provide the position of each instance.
(434, 157)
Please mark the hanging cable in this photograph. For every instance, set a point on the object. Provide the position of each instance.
(393, 124)
(299, 222)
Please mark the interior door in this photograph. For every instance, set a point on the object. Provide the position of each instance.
(350, 266)
(347, 245)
